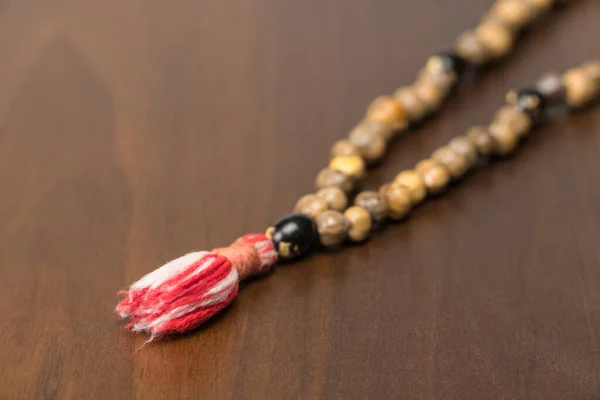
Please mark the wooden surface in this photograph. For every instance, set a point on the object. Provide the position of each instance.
(134, 131)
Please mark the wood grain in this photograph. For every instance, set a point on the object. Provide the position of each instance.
(133, 131)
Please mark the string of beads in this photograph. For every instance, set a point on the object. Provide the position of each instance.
(332, 223)
(187, 291)
(391, 115)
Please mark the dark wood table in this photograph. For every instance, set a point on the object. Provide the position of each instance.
(134, 131)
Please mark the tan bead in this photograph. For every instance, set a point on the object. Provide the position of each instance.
(367, 137)
(332, 227)
(414, 183)
(397, 198)
(328, 177)
(505, 138)
(415, 107)
(387, 110)
(311, 205)
(454, 162)
(469, 47)
(482, 140)
(344, 148)
(515, 118)
(465, 148)
(580, 87)
(360, 223)
(435, 176)
(430, 93)
(425, 165)
(374, 203)
(512, 13)
(384, 189)
(353, 166)
(376, 127)
(443, 79)
(495, 37)
(540, 5)
(334, 197)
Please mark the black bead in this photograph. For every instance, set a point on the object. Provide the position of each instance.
(529, 100)
(293, 235)
(449, 61)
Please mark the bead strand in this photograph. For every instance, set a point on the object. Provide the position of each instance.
(390, 115)
(187, 291)
(324, 217)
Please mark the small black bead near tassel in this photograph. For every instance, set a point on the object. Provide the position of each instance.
(293, 236)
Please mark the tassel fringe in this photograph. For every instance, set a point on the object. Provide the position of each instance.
(185, 292)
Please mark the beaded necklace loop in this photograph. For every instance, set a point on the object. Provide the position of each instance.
(187, 291)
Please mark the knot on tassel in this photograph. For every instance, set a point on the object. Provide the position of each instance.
(189, 290)
(252, 254)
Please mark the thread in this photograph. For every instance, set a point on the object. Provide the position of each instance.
(185, 292)
(252, 254)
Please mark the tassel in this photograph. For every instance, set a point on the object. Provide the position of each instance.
(185, 292)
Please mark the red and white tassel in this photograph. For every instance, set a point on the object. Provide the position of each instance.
(189, 290)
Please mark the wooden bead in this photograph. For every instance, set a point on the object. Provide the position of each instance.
(382, 129)
(454, 162)
(369, 139)
(374, 203)
(332, 228)
(430, 93)
(482, 140)
(495, 37)
(465, 148)
(293, 235)
(414, 183)
(579, 86)
(515, 118)
(505, 138)
(360, 223)
(425, 164)
(443, 80)
(469, 47)
(397, 198)
(328, 177)
(344, 148)
(311, 205)
(384, 189)
(334, 197)
(353, 166)
(415, 107)
(512, 13)
(435, 176)
(387, 110)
